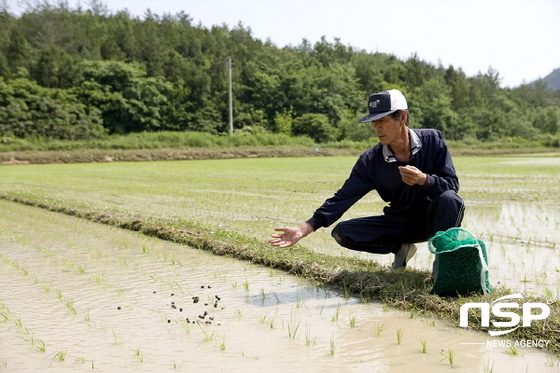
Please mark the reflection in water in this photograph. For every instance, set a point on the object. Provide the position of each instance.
(79, 296)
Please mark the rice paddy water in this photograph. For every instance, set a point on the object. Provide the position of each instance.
(81, 296)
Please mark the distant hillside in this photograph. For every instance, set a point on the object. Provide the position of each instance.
(552, 80)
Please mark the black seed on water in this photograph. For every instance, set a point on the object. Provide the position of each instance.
(154, 291)
(168, 321)
(180, 310)
(119, 307)
(188, 321)
(172, 294)
(205, 313)
(202, 287)
(209, 287)
(215, 305)
(205, 304)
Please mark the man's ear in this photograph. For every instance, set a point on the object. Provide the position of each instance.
(404, 116)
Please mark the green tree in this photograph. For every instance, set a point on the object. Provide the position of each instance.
(316, 126)
(548, 119)
(129, 101)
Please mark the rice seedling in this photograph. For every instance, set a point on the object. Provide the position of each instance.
(352, 321)
(299, 302)
(448, 356)
(487, 368)
(223, 343)
(346, 292)
(293, 327)
(332, 346)
(513, 350)
(309, 341)
(263, 295)
(246, 285)
(60, 355)
(207, 336)
(86, 316)
(424, 344)
(379, 328)
(4, 316)
(70, 305)
(552, 361)
(139, 355)
(336, 314)
(399, 336)
(39, 345)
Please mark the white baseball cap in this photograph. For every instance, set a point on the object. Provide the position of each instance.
(384, 103)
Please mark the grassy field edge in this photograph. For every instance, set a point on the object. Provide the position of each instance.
(176, 154)
(360, 277)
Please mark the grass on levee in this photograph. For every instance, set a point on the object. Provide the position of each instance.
(166, 145)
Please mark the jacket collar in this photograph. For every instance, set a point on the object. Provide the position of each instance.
(415, 146)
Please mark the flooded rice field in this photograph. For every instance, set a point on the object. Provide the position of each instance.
(512, 203)
(79, 296)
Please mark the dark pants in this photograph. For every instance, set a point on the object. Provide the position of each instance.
(386, 233)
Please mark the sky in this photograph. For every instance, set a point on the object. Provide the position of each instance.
(519, 39)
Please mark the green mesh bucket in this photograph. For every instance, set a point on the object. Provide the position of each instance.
(463, 268)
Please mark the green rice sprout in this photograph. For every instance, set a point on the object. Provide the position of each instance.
(447, 356)
(424, 344)
(293, 329)
(60, 355)
(336, 314)
(513, 350)
(309, 341)
(353, 321)
(332, 348)
(399, 336)
(379, 328)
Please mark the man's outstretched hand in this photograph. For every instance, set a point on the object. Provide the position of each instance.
(290, 235)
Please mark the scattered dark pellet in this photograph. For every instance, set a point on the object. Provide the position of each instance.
(201, 317)
(205, 313)
(209, 287)
(188, 321)
(211, 318)
(215, 305)
(172, 294)
(154, 291)
(205, 304)
(180, 309)
(119, 307)
(208, 322)
(169, 321)
(173, 306)
(218, 298)
(202, 287)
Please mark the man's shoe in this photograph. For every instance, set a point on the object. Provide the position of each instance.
(402, 257)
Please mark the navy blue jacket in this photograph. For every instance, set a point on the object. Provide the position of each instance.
(377, 169)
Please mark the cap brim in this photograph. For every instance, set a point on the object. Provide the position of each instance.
(375, 116)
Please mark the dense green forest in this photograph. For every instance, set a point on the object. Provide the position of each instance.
(78, 74)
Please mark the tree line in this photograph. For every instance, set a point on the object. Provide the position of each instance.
(75, 73)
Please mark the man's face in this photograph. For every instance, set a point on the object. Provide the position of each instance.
(388, 129)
